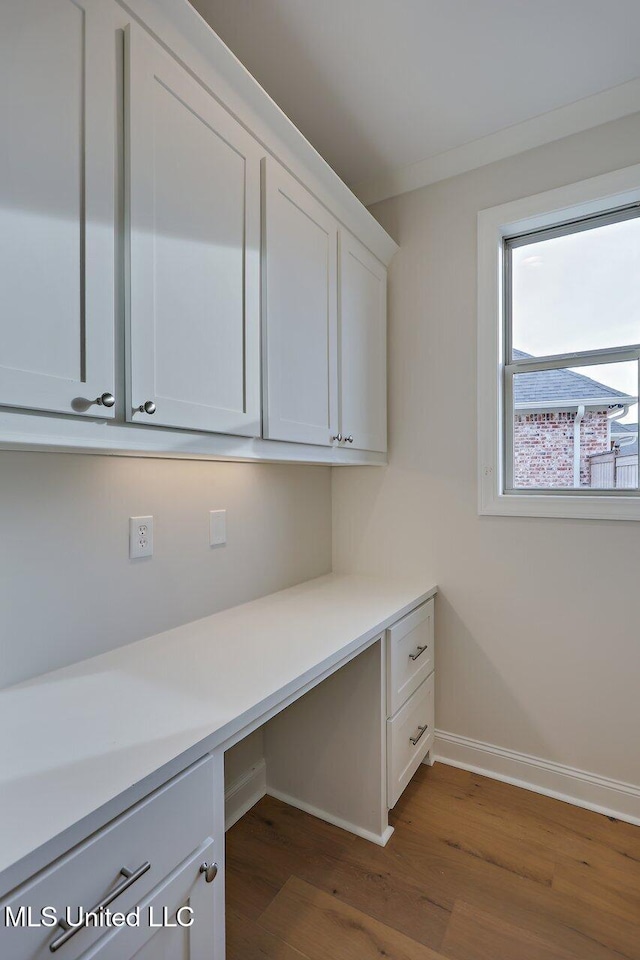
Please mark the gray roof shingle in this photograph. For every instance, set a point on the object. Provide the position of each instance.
(617, 427)
(629, 450)
(625, 431)
(551, 386)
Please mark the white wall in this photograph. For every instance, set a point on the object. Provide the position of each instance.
(538, 639)
(67, 587)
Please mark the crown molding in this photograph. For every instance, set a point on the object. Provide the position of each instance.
(177, 26)
(611, 104)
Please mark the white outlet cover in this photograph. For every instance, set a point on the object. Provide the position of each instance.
(217, 528)
(140, 537)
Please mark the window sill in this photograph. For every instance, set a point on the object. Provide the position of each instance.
(568, 506)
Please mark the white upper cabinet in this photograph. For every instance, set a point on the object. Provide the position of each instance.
(180, 273)
(193, 202)
(57, 206)
(299, 312)
(363, 346)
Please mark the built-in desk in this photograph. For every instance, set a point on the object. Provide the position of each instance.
(84, 744)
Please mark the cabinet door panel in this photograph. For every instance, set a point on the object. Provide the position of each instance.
(194, 207)
(178, 942)
(300, 313)
(363, 346)
(164, 932)
(167, 944)
(57, 205)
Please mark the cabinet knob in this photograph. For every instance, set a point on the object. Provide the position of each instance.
(106, 400)
(210, 871)
(348, 439)
(147, 407)
(337, 437)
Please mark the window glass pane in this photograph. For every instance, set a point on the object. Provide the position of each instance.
(576, 427)
(577, 292)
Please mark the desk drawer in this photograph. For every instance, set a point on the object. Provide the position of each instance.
(410, 655)
(413, 722)
(161, 831)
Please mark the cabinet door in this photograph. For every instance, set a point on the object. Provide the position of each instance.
(182, 942)
(57, 209)
(194, 251)
(300, 312)
(183, 919)
(363, 346)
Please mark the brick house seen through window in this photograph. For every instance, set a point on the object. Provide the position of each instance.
(567, 432)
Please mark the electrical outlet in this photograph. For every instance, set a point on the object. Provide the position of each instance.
(140, 537)
(217, 528)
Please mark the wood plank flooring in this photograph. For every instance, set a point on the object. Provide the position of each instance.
(476, 870)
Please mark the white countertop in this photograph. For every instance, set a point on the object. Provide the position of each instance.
(75, 739)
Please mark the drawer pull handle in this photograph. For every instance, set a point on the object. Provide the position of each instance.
(421, 732)
(210, 871)
(419, 652)
(130, 877)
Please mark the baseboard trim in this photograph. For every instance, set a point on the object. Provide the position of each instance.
(381, 839)
(241, 795)
(244, 793)
(614, 798)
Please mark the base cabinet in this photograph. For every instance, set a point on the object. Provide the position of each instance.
(332, 747)
(346, 751)
(146, 865)
(410, 697)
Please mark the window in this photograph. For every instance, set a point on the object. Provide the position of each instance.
(572, 316)
(559, 352)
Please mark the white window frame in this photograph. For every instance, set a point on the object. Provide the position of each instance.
(586, 198)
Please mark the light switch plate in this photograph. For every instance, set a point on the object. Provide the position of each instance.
(217, 528)
(140, 537)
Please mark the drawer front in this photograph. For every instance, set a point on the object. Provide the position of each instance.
(413, 722)
(410, 655)
(162, 830)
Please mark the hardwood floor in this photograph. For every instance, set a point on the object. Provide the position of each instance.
(476, 870)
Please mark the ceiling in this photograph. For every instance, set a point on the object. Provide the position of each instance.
(380, 84)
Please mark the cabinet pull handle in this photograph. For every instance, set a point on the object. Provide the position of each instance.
(130, 877)
(147, 407)
(418, 653)
(210, 871)
(421, 731)
(106, 400)
(337, 437)
(348, 439)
